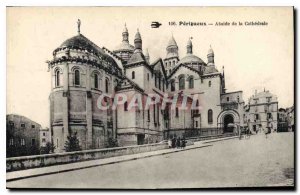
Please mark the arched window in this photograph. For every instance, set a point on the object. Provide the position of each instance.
(57, 78)
(77, 77)
(191, 83)
(181, 83)
(209, 83)
(133, 75)
(173, 85)
(106, 85)
(96, 81)
(126, 106)
(210, 116)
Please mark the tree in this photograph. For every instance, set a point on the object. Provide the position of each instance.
(72, 143)
(49, 148)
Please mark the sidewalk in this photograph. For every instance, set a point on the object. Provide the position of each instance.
(17, 175)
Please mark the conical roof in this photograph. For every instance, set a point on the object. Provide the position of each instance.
(172, 42)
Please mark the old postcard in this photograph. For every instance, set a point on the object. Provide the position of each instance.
(150, 97)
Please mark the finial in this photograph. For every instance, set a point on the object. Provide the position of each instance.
(138, 29)
(78, 26)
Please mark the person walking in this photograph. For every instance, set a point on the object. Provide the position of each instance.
(170, 143)
(173, 142)
(178, 142)
(183, 143)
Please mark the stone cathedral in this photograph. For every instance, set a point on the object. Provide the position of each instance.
(81, 72)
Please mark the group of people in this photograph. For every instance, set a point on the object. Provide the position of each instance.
(177, 142)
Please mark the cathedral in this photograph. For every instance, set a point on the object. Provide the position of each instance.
(82, 72)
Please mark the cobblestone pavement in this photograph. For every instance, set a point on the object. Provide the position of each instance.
(231, 163)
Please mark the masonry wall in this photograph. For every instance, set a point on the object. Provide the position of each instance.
(28, 162)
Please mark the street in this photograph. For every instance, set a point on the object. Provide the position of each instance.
(253, 162)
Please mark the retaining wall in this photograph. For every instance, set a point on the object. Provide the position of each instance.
(27, 162)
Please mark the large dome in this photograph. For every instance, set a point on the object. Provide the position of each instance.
(190, 58)
(81, 42)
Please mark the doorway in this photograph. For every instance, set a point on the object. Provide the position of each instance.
(227, 120)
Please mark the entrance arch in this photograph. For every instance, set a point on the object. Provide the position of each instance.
(228, 118)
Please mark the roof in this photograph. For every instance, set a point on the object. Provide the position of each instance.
(137, 35)
(191, 58)
(136, 57)
(81, 42)
(124, 46)
(210, 69)
(172, 42)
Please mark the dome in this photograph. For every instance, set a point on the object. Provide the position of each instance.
(124, 46)
(210, 51)
(81, 42)
(190, 58)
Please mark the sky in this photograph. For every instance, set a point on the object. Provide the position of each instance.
(254, 57)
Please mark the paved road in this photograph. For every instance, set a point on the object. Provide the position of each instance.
(254, 162)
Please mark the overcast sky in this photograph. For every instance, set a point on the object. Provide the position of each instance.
(254, 57)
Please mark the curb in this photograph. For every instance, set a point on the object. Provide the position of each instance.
(101, 164)
(226, 138)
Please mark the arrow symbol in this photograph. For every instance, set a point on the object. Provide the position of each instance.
(155, 24)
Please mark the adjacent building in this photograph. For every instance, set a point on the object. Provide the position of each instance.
(261, 111)
(22, 135)
(83, 72)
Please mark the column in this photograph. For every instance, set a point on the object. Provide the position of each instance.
(65, 105)
(89, 110)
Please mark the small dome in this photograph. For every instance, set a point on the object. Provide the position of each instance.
(190, 58)
(210, 51)
(124, 46)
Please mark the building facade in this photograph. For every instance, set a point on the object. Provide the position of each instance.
(22, 135)
(85, 76)
(261, 111)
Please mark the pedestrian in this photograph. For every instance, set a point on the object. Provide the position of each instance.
(173, 142)
(178, 142)
(170, 143)
(267, 131)
(183, 143)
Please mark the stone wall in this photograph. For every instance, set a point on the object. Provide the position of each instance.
(28, 162)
